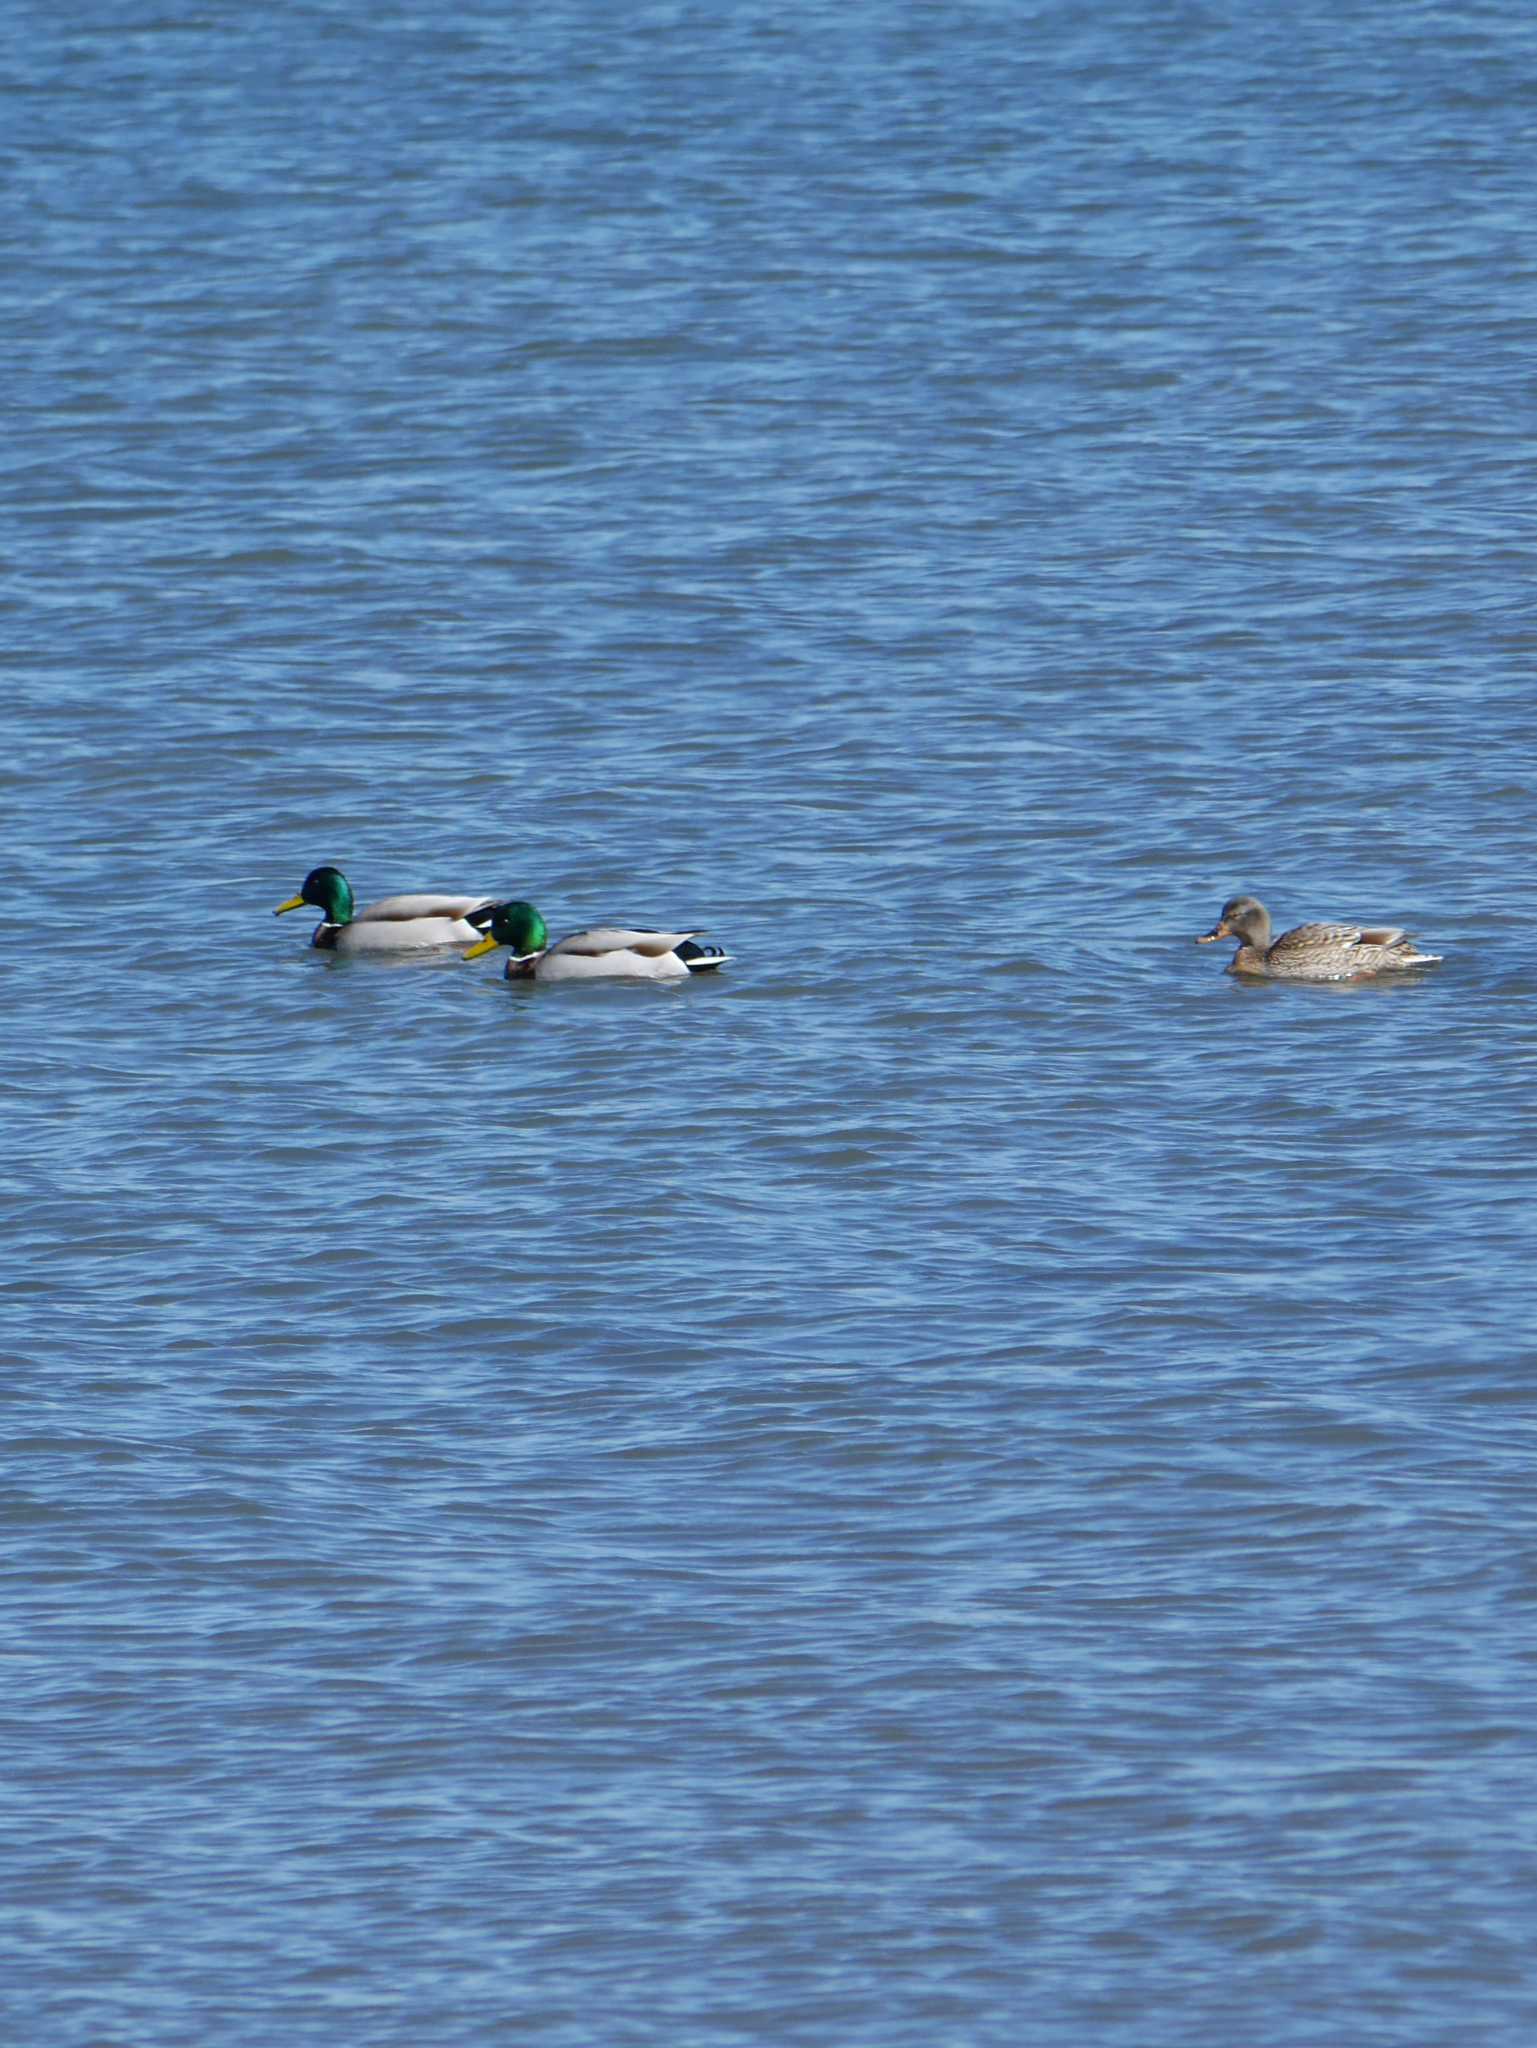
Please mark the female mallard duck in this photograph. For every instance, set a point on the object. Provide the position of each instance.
(392, 925)
(1311, 952)
(585, 956)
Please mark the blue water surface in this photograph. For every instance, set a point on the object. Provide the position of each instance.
(966, 1480)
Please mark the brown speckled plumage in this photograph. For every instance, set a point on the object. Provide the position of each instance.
(1312, 952)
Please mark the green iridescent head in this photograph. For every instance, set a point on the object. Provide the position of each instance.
(518, 926)
(328, 891)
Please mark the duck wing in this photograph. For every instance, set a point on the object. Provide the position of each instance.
(1334, 952)
(405, 909)
(1321, 934)
(621, 939)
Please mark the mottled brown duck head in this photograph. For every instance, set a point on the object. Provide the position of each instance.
(1243, 918)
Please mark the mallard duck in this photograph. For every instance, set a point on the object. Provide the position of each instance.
(1312, 952)
(611, 952)
(394, 924)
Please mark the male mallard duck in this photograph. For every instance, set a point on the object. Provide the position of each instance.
(392, 925)
(1311, 952)
(612, 953)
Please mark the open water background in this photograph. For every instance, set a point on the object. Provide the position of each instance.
(969, 1480)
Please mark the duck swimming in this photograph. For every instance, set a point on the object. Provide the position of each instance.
(1312, 952)
(608, 952)
(394, 924)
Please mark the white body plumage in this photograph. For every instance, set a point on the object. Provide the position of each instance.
(399, 923)
(615, 952)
